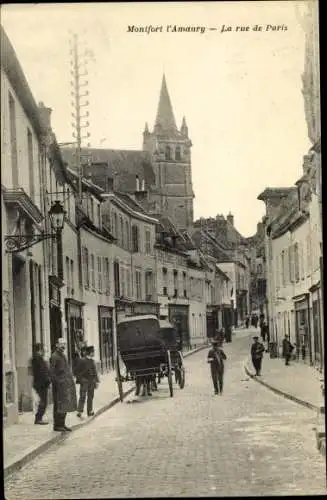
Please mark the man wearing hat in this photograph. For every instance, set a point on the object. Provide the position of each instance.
(257, 350)
(88, 379)
(216, 357)
(63, 386)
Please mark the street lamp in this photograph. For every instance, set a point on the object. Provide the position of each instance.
(19, 242)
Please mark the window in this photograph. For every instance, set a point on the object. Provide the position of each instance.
(99, 215)
(138, 285)
(85, 261)
(148, 285)
(92, 272)
(92, 210)
(99, 261)
(178, 155)
(168, 153)
(127, 235)
(135, 239)
(68, 275)
(30, 163)
(283, 268)
(147, 241)
(116, 279)
(13, 140)
(67, 203)
(175, 282)
(128, 283)
(184, 284)
(106, 276)
(122, 232)
(291, 264)
(308, 244)
(296, 263)
(72, 291)
(122, 281)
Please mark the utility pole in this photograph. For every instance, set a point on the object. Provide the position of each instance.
(78, 72)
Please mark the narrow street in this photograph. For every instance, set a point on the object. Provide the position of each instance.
(247, 442)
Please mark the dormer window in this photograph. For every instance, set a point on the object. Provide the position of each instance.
(178, 153)
(168, 153)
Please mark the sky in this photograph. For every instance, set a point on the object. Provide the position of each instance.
(240, 90)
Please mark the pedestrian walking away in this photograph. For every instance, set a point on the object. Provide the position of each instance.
(63, 387)
(247, 321)
(216, 357)
(287, 350)
(257, 350)
(87, 377)
(264, 330)
(41, 381)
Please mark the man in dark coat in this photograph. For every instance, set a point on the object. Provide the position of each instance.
(216, 357)
(257, 350)
(264, 330)
(41, 381)
(63, 386)
(287, 350)
(88, 379)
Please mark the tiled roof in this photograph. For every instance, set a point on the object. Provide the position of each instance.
(110, 162)
(272, 192)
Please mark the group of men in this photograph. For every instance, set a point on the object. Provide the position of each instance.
(60, 375)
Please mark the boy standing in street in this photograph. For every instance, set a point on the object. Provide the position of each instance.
(257, 350)
(88, 379)
(216, 357)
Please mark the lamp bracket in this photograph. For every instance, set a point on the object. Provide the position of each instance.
(19, 242)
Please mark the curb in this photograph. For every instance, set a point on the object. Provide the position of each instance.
(33, 452)
(281, 393)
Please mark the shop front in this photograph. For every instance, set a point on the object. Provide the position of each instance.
(212, 321)
(106, 338)
(75, 329)
(302, 327)
(316, 326)
(55, 313)
(178, 316)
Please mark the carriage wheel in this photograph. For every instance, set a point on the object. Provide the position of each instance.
(170, 375)
(181, 380)
(119, 380)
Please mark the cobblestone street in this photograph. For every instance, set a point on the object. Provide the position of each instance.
(247, 442)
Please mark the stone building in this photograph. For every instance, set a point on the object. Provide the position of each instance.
(294, 228)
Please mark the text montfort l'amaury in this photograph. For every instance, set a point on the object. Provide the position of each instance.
(169, 28)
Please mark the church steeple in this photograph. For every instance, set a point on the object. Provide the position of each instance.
(184, 128)
(165, 120)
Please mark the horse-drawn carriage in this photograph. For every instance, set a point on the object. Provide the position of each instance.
(148, 350)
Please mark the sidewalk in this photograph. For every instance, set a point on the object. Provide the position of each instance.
(24, 441)
(298, 382)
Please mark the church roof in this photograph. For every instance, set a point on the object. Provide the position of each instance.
(108, 162)
(165, 120)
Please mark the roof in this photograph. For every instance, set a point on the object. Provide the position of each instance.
(274, 192)
(11, 66)
(165, 120)
(127, 319)
(124, 165)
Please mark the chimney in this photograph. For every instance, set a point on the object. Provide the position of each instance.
(45, 116)
(230, 218)
(221, 227)
(137, 183)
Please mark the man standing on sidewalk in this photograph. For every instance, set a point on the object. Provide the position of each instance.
(287, 350)
(63, 386)
(257, 350)
(88, 379)
(41, 381)
(216, 357)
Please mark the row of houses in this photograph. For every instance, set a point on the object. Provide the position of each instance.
(80, 253)
(293, 230)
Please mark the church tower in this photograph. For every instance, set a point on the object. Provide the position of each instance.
(171, 152)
